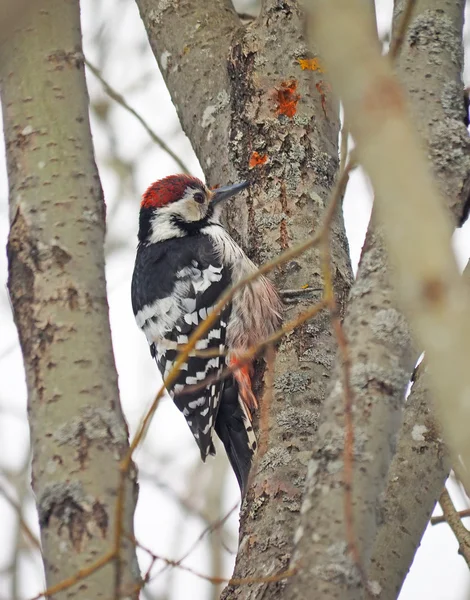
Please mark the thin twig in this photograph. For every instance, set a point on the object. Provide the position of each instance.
(209, 529)
(24, 526)
(116, 96)
(305, 291)
(441, 518)
(251, 353)
(76, 577)
(348, 453)
(399, 36)
(217, 580)
(453, 518)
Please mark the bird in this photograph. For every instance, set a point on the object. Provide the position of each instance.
(185, 260)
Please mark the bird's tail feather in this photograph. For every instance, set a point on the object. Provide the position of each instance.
(234, 428)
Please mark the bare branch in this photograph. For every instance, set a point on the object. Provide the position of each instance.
(117, 97)
(339, 508)
(428, 281)
(420, 452)
(420, 456)
(463, 514)
(453, 519)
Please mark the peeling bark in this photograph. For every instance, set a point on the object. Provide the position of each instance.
(58, 291)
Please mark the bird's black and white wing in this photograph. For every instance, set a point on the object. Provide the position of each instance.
(173, 290)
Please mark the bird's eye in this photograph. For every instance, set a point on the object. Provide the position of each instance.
(199, 197)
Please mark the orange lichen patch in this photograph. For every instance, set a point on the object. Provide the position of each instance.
(323, 88)
(257, 159)
(287, 98)
(311, 64)
(242, 374)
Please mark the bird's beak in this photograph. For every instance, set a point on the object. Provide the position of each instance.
(223, 193)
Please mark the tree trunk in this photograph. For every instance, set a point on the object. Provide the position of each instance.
(437, 105)
(380, 346)
(58, 291)
(415, 227)
(244, 99)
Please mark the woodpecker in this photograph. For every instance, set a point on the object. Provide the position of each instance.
(185, 260)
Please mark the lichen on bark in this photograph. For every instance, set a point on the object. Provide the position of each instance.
(58, 292)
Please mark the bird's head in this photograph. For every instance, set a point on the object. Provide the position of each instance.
(181, 205)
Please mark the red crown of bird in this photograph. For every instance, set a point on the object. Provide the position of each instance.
(168, 190)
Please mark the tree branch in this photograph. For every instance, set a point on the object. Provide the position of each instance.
(427, 277)
(344, 483)
(463, 514)
(453, 519)
(117, 97)
(58, 292)
(404, 514)
(420, 452)
(191, 42)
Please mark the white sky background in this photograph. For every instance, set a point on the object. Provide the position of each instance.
(169, 453)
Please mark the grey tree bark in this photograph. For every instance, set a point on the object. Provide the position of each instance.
(243, 70)
(58, 291)
(426, 257)
(381, 351)
(422, 457)
(436, 101)
(251, 110)
(239, 111)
